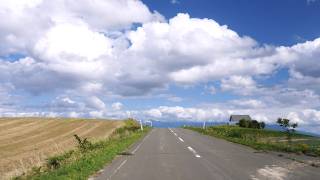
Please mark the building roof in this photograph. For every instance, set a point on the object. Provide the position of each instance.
(239, 117)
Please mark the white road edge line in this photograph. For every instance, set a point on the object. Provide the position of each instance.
(194, 152)
(135, 150)
(181, 139)
(117, 169)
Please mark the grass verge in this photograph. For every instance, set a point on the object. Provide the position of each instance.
(262, 139)
(88, 157)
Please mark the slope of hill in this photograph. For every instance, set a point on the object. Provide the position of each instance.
(25, 142)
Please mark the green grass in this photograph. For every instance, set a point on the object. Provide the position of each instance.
(80, 164)
(262, 139)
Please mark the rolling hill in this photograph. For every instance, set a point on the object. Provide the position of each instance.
(25, 142)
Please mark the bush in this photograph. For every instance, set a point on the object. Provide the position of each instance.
(262, 125)
(251, 124)
(36, 171)
(132, 124)
(254, 124)
(54, 162)
(243, 123)
(304, 148)
(234, 134)
(83, 144)
(318, 151)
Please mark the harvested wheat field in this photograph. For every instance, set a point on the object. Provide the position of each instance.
(27, 142)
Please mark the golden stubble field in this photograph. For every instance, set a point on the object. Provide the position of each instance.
(27, 142)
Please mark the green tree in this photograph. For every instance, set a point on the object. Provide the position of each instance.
(254, 124)
(244, 123)
(262, 125)
(288, 127)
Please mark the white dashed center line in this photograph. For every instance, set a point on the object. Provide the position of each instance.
(194, 152)
(189, 148)
(173, 132)
(170, 130)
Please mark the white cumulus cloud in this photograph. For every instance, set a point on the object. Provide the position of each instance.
(82, 53)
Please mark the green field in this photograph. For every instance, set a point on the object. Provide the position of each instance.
(262, 139)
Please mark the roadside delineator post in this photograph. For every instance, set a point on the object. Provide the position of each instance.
(141, 126)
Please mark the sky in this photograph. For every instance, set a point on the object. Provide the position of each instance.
(164, 60)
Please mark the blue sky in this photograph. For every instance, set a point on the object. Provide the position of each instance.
(166, 60)
(283, 22)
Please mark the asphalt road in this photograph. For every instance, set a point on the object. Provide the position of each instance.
(183, 154)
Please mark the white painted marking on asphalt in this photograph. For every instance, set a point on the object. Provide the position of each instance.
(191, 149)
(134, 151)
(122, 164)
(194, 152)
(177, 135)
(171, 130)
(117, 169)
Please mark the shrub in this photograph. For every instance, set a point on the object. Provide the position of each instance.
(235, 134)
(83, 144)
(54, 162)
(318, 151)
(304, 148)
(132, 124)
(254, 124)
(262, 125)
(35, 171)
(244, 123)
(251, 124)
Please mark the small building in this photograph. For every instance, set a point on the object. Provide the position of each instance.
(236, 118)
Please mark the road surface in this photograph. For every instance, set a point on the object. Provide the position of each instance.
(166, 154)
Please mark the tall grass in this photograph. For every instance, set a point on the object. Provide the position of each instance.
(262, 139)
(28, 142)
(81, 163)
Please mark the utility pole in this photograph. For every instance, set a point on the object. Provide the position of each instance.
(204, 125)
